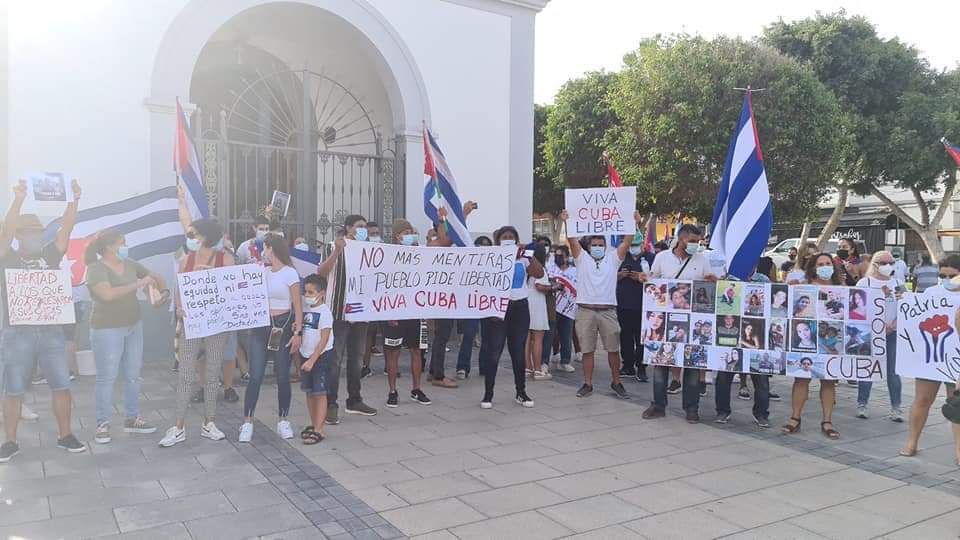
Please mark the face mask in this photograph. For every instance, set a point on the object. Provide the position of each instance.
(948, 284)
(885, 269)
(508, 242)
(301, 246)
(824, 272)
(313, 300)
(693, 249)
(408, 239)
(123, 252)
(792, 256)
(843, 254)
(31, 245)
(219, 245)
(261, 234)
(597, 252)
(376, 239)
(193, 244)
(636, 250)
(361, 234)
(559, 260)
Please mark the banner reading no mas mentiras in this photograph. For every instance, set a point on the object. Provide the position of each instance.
(602, 211)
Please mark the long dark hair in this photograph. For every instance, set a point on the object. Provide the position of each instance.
(279, 247)
(98, 246)
(811, 269)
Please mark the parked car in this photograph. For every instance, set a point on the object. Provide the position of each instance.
(780, 251)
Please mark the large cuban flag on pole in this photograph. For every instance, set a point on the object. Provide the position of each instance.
(743, 215)
(187, 166)
(440, 191)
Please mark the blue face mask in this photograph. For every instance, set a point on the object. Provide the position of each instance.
(123, 252)
(597, 252)
(361, 234)
(693, 249)
(193, 244)
(508, 242)
(408, 239)
(824, 272)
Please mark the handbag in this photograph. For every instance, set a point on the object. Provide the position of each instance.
(951, 409)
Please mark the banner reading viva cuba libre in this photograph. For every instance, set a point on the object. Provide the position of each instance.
(808, 331)
(388, 282)
(928, 346)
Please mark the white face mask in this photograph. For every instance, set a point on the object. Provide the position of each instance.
(508, 242)
(885, 269)
(302, 246)
(261, 234)
(376, 239)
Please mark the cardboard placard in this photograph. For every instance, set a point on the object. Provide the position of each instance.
(223, 300)
(600, 211)
(928, 346)
(39, 297)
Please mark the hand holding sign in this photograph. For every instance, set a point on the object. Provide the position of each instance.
(601, 211)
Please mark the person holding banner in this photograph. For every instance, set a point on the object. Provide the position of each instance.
(275, 342)
(116, 329)
(203, 237)
(880, 276)
(821, 270)
(565, 271)
(512, 329)
(925, 390)
(23, 346)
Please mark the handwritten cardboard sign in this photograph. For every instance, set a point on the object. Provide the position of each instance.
(804, 331)
(387, 282)
(602, 211)
(223, 300)
(928, 346)
(39, 297)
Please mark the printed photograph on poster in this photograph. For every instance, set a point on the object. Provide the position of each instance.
(803, 336)
(806, 366)
(728, 330)
(857, 339)
(695, 356)
(654, 326)
(831, 303)
(830, 337)
(766, 363)
(660, 354)
(49, 187)
(754, 299)
(678, 327)
(778, 301)
(857, 304)
(777, 335)
(701, 331)
(804, 302)
(730, 360)
(728, 297)
(704, 297)
(752, 332)
(280, 204)
(679, 295)
(655, 296)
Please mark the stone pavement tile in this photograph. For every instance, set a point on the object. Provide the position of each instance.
(665, 496)
(175, 465)
(614, 532)
(226, 457)
(752, 509)
(796, 466)
(921, 466)
(581, 461)
(507, 500)
(432, 516)
(508, 453)
(863, 482)
(172, 531)
(593, 513)
(732, 481)
(813, 493)
(435, 535)
(685, 524)
(711, 459)
(908, 504)
(465, 427)
(518, 434)
(386, 454)
(437, 487)
(28, 488)
(450, 444)
(395, 436)
(180, 485)
(776, 531)
(525, 417)
(90, 524)
(252, 522)
(587, 483)
(639, 450)
(576, 425)
(652, 471)
(27, 470)
(330, 462)
(106, 498)
(447, 463)
(943, 526)
(514, 473)
(528, 525)
(151, 514)
(69, 463)
(303, 533)
(249, 497)
(24, 510)
(844, 522)
(374, 475)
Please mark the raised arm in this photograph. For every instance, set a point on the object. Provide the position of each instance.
(10, 221)
(572, 243)
(69, 218)
(442, 239)
(328, 264)
(624, 246)
(182, 211)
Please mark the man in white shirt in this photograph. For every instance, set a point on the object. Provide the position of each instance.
(688, 262)
(597, 305)
(899, 267)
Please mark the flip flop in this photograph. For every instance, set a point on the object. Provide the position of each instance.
(312, 438)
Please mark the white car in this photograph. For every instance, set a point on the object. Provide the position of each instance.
(779, 253)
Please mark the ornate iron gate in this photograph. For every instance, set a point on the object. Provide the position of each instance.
(301, 133)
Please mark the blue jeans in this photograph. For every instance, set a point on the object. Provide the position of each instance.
(257, 354)
(548, 343)
(23, 347)
(761, 393)
(893, 380)
(691, 388)
(469, 329)
(565, 329)
(113, 349)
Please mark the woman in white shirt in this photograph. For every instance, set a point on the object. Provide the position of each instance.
(276, 340)
(539, 320)
(880, 276)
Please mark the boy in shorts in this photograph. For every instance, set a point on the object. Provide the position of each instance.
(316, 352)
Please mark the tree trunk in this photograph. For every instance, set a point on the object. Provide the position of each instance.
(929, 228)
(834, 220)
(804, 233)
(932, 241)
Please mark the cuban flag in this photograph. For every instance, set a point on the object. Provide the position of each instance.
(440, 191)
(743, 215)
(954, 151)
(614, 181)
(304, 262)
(187, 166)
(651, 237)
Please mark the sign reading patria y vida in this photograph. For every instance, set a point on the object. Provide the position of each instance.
(39, 297)
(602, 211)
(928, 346)
(387, 282)
(223, 299)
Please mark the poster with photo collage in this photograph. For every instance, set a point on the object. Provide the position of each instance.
(808, 331)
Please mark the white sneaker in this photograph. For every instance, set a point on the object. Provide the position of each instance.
(542, 375)
(246, 432)
(27, 414)
(102, 435)
(486, 404)
(173, 436)
(284, 429)
(567, 368)
(578, 358)
(896, 415)
(461, 374)
(862, 412)
(210, 431)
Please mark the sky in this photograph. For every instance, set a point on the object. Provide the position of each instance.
(577, 36)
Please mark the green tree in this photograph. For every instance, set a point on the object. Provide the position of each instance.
(677, 110)
(547, 194)
(896, 107)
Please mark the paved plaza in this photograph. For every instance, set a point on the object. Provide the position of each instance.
(581, 468)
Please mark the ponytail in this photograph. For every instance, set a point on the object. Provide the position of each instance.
(99, 244)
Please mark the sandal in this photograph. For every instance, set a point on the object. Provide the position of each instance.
(312, 438)
(306, 431)
(829, 433)
(908, 453)
(790, 429)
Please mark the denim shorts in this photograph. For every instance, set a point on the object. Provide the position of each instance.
(230, 348)
(314, 382)
(23, 347)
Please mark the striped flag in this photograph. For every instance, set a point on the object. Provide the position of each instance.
(954, 151)
(440, 191)
(187, 166)
(614, 181)
(651, 237)
(305, 262)
(743, 216)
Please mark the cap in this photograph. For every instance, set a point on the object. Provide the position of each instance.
(29, 221)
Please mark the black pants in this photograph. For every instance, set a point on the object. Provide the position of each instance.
(442, 330)
(512, 331)
(631, 348)
(349, 340)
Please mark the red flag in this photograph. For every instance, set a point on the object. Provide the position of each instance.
(612, 171)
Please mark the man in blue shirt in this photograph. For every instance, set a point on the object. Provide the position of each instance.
(630, 309)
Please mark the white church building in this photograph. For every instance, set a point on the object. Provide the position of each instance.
(323, 99)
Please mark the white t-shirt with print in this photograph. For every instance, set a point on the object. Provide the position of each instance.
(315, 319)
(597, 280)
(518, 290)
